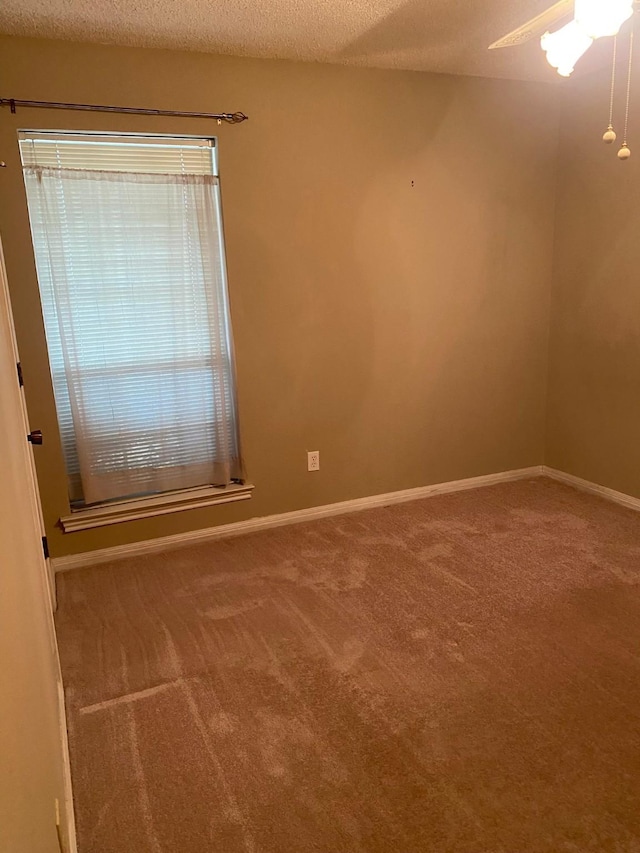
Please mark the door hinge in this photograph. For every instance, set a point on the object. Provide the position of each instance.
(20, 377)
(45, 547)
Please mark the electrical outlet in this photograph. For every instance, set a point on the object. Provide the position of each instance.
(313, 460)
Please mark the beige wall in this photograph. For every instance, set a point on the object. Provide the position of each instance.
(389, 241)
(594, 384)
(31, 749)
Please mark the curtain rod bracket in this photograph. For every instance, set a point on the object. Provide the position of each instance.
(229, 118)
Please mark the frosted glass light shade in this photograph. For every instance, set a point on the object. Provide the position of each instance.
(599, 18)
(565, 47)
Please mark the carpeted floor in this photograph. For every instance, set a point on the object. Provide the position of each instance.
(455, 675)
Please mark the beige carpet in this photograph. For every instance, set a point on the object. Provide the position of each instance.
(459, 674)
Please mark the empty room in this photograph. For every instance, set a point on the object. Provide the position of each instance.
(320, 423)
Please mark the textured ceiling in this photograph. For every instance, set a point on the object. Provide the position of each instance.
(425, 35)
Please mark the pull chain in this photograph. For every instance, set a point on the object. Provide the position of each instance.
(610, 134)
(625, 152)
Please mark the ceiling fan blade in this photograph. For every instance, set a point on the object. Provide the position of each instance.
(536, 26)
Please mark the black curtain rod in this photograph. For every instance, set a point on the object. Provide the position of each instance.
(230, 118)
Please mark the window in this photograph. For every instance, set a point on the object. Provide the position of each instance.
(129, 252)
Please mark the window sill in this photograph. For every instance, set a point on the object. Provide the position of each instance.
(131, 510)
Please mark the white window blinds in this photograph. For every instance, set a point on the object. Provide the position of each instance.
(129, 252)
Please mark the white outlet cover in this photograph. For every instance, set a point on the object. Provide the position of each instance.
(313, 460)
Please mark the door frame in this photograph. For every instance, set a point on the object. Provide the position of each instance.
(35, 525)
(7, 322)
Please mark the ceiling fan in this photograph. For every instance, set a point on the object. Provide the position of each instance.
(590, 20)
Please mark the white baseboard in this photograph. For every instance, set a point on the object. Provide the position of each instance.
(149, 546)
(70, 820)
(593, 488)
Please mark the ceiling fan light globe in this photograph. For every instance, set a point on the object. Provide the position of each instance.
(565, 46)
(600, 18)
